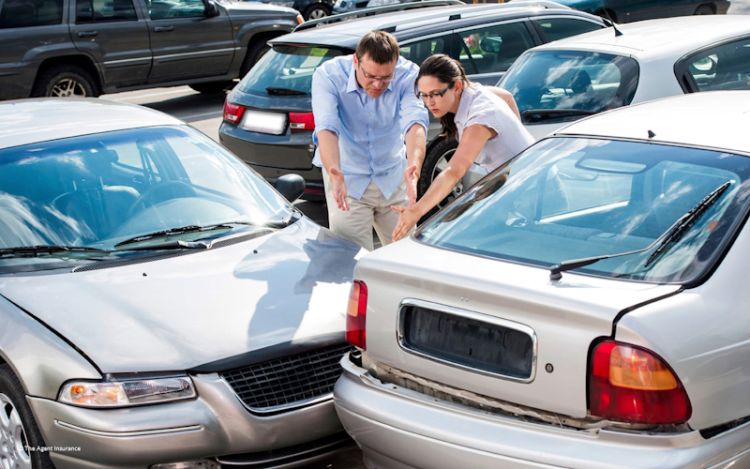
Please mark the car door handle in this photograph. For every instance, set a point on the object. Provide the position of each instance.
(87, 33)
(162, 29)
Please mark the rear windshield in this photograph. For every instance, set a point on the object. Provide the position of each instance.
(558, 86)
(287, 69)
(567, 199)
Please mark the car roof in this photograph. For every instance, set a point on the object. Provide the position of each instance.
(714, 119)
(653, 38)
(439, 18)
(26, 121)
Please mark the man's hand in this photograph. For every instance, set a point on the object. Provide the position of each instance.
(411, 177)
(407, 219)
(338, 188)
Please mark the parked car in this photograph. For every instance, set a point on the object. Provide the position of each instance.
(87, 48)
(625, 11)
(582, 306)
(556, 83)
(310, 9)
(161, 303)
(268, 117)
(346, 6)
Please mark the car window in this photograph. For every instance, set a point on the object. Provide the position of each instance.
(493, 49)
(449, 44)
(724, 67)
(24, 13)
(552, 29)
(164, 9)
(97, 11)
(573, 198)
(286, 69)
(555, 86)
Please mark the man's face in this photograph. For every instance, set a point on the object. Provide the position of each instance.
(372, 76)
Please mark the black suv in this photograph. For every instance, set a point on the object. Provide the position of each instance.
(90, 47)
(268, 118)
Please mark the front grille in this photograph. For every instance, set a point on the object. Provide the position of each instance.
(287, 382)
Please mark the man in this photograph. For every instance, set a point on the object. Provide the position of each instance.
(370, 129)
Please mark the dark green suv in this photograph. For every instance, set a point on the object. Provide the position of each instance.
(91, 47)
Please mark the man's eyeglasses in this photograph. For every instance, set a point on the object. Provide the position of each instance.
(433, 94)
(384, 79)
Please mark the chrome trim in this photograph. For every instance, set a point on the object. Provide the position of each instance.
(123, 61)
(160, 431)
(481, 317)
(190, 54)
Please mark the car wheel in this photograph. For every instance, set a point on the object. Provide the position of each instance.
(21, 444)
(317, 11)
(704, 10)
(255, 51)
(435, 162)
(213, 87)
(65, 81)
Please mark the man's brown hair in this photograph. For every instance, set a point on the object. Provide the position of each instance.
(380, 46)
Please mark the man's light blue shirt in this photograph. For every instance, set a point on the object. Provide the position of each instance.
(370, 130)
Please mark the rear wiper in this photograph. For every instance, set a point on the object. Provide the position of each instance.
(538, 115)
(277, 91)
(33, 251)
(178, 231)
(660, 245)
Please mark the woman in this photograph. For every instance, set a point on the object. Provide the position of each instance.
(483, 119)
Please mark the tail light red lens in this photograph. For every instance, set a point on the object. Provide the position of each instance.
(233, 112)
(632, 384)
(356, 314)
(301, 121)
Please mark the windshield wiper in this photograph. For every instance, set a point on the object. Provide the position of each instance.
(33, 251)
(178, 231)
(277, 91)
(538, 115)
(660, 245)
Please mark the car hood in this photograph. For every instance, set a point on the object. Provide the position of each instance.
(179, 313)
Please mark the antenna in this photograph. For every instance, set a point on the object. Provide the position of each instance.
(608, 21)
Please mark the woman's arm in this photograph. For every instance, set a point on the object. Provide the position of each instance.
(471, 144)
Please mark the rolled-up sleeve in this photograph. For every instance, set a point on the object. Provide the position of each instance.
(413, 110)
(324, 104)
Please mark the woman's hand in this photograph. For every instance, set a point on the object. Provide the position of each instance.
(407, 220)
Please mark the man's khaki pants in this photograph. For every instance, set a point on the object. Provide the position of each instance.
(373, 210)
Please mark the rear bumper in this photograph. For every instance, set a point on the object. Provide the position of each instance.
(400, 428)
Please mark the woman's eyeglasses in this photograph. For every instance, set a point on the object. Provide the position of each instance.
(433, 94)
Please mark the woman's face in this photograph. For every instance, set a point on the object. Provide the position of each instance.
(439, 97)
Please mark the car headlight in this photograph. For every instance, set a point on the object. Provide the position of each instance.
(127, 392)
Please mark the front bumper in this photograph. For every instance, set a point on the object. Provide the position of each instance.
(214, 424)
(401, 428)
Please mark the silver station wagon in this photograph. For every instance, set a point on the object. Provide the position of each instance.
(581, 306)
(161, 304)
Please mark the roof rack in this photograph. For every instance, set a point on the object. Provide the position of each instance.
(541, 3)
(376, 10)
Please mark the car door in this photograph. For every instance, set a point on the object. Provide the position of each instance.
(187, 43)
(111, 32)
(553, 28)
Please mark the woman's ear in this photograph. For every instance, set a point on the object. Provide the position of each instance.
(458, 86)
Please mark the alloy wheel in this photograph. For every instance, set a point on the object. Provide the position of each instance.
(440, 166)
(14, 451)
(67, 87)
(318, 13)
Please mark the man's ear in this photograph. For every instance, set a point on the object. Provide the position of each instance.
(356, 62)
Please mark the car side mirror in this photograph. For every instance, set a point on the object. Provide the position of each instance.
(291, 186)
(211, 9)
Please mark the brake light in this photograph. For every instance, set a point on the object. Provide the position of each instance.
(233, 112)
(301, 121)
(356, 313)
(632, 384)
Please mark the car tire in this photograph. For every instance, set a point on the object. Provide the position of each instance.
(437, 157)
(317, 11)
(65, 81)
(21, 443)
(212, 87)
(255, 51)
(704, 9)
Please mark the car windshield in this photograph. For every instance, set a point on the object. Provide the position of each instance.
(286, 70)
(558, 86)
(100, 190)
(567, 198)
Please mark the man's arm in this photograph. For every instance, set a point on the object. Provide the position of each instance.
(414, 120)
(415, 149)
(328, 145)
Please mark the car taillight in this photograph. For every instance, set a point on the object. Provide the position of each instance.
(301, 121)
(632, 384)
(356, 314)
(233, 112)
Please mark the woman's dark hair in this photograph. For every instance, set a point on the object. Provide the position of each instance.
(446, 70)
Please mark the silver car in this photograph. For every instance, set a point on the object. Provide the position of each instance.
(162, 305)
(581, 306)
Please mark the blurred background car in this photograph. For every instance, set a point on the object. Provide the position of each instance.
(268, 119)
(161, 303)
(346, 6)
(310, 9)
(582, 306)
(625, 11)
